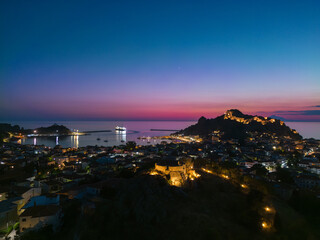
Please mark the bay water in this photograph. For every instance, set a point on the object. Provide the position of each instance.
(135, 129)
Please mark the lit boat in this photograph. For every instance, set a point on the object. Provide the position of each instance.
(120, 129)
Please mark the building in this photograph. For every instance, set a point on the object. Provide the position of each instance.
(8, 212)
(26, 196)
(178, 172)
(308, 182)
(43, 200)
(39, 216)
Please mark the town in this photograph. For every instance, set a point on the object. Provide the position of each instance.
(38, 184)
(160, 120)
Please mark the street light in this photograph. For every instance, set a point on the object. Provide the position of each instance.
(267, 209)
(265, 225)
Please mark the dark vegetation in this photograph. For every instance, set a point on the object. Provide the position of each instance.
(5, 128)
(146, 207)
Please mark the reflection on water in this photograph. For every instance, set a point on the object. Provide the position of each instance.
(121, 136)
(52, 141)
(75, 141)
(306, 129)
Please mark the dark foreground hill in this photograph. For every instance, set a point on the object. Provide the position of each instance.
(146, 207)
(235, 124)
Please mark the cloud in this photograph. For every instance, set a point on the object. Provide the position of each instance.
(303, 112)
(297, 115)
(297, 118)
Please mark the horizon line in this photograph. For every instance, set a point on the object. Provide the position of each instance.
(132, 120)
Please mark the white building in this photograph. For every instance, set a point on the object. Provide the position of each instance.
(39, 216)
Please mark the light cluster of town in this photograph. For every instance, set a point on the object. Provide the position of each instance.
(36, 181)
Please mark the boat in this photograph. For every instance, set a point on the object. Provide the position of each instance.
(122, 140)
(98, 139)
(120, 129)
(105, 140)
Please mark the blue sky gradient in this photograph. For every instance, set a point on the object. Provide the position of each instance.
(158, 59)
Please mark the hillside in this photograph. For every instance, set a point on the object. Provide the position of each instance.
(235, 124)
(5, 128)
(146, 207)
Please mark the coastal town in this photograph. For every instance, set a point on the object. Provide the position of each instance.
(160, 120)
(38, 183)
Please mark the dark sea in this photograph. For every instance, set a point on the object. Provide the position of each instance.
(135, 129)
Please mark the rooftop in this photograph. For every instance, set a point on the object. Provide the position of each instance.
(40, 211)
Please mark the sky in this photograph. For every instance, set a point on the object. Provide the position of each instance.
(159, 60)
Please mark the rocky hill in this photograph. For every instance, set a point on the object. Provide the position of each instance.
(235, 124)
(55, 128)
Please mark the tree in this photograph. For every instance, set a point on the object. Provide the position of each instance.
(284, 175)
(260, 170)
(131, 145)
(294, 158)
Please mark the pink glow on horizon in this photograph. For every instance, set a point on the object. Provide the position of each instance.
(154, 109)
(182, 106)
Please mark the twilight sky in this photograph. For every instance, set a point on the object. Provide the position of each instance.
(170, 60)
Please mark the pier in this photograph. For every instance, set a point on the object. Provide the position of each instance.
(96, 131)
(167, 130)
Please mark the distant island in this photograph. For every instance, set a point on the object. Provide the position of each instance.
(53, 129)
(236, 125)
(13, 132)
